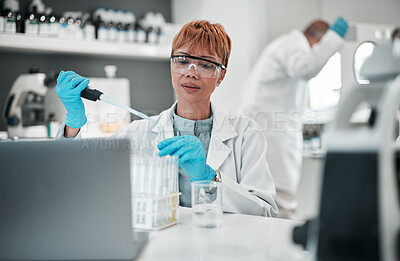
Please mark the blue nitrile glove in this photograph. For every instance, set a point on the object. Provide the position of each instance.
(192, 157)
(69, 88)
(340, 27)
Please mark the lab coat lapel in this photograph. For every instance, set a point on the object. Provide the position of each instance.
(222, 131)
(163, 129)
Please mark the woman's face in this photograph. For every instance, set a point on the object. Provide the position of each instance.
(190, 87)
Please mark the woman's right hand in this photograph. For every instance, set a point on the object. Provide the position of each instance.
(69, 88)
(191, 154)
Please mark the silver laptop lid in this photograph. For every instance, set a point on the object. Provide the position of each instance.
(65, 200)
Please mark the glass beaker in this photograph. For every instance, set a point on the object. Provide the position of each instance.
(207, 203)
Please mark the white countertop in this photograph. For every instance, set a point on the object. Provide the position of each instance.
(241, 237)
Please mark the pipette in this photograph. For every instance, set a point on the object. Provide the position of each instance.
(94, 95)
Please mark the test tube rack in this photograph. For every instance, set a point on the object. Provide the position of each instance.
(155, 193)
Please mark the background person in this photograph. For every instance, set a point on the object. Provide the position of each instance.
(274, 97)
(210, 145)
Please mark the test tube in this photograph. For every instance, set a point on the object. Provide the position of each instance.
(149, 175)
(134, 180)
(159, 176)
(142, 174)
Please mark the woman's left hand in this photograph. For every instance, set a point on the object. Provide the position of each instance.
(192, 157)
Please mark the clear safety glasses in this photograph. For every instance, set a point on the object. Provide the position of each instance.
(204, 68)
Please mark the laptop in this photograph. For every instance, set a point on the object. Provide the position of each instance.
(66, 200)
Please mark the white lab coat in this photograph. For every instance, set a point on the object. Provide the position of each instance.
(274, 97)
(237, 148)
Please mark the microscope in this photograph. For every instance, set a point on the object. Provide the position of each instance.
(359, 213)
(25, 110)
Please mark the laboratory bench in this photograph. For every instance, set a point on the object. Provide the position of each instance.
(241, 237)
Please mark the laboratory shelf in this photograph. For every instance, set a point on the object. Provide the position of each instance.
(46, 45)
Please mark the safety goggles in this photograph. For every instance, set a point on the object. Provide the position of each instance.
(204, 68)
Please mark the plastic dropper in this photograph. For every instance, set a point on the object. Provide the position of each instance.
(94, 95)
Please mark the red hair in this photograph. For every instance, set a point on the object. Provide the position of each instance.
(200, 34)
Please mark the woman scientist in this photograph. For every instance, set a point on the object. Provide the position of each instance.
(210, 145)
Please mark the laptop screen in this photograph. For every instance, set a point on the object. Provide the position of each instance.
(65, 200)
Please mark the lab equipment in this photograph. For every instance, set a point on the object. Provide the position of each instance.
(359, 42)
(207, 203)
(108, 100)
(361, 220)
(67, 211)
(155, 194)
(192, 157)
(69, 88)
(204, 68)
(25, 109)
(94, 95)
(342, 72)
(71, 98)
(340, 27)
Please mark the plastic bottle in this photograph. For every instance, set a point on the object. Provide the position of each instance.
(32, 22)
